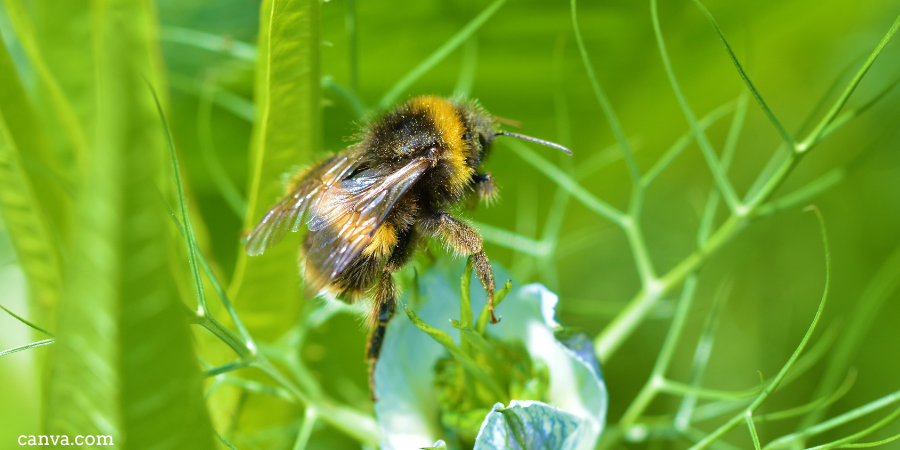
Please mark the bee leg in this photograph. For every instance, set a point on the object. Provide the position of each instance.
(384, 299)
(486, 188)
(382, 311)
(461, 237)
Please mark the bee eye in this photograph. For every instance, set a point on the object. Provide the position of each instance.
(466, 137)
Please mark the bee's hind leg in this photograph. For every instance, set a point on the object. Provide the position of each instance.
(384, 301)
(382, 311)
(462, 238)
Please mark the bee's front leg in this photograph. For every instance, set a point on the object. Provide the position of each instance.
(465, 240)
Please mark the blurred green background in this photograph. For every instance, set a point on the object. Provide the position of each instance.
(794, 50)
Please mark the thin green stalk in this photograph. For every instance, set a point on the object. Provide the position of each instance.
(657, 376)
(452, 44)
(847, 441)
(216, 328)
(609, 340)
(227, 100)
(806, 362)
(464, 360)
(737, 64)
(805, 193)
(258, 388)
(871, 444)
(748, 417)
(29, 324)
(837, 421)
(27, 346)
(224, 442)
(816, 134)
(632, 227)
(676, 388)
(309, 423)
(208, 41)
(814, 405)
(709, 154)
(734, 131)
(564, 180)
(852, 113)
(225, 368)
(881, 287)
(600, 159)
(357, 425)
(220, 291)
(190, 239)
(684, 140)
(608, 111)
(782, 151)
(513, 241)
(702, 353)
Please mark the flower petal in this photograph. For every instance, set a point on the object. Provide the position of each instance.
(527, 425)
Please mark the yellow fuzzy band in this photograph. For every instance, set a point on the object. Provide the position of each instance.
(451, 129)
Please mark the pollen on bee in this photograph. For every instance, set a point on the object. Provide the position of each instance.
(383, 242)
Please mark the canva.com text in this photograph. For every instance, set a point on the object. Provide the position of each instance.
(64, 440)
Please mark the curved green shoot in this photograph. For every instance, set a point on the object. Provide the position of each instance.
(709, 440)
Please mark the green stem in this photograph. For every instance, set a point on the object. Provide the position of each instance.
(609, 340)
(709, 154)
(815, 135)
(608, 111)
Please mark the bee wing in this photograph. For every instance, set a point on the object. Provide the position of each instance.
(345, 224)
(287, 214)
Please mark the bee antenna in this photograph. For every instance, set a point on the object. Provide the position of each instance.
(535, 140)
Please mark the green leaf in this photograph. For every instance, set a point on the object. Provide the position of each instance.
(62, 109)
(528, 425)
(266, 288)
(123, 364)
(27, 224)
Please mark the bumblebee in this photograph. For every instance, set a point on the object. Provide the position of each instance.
(369, 208)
